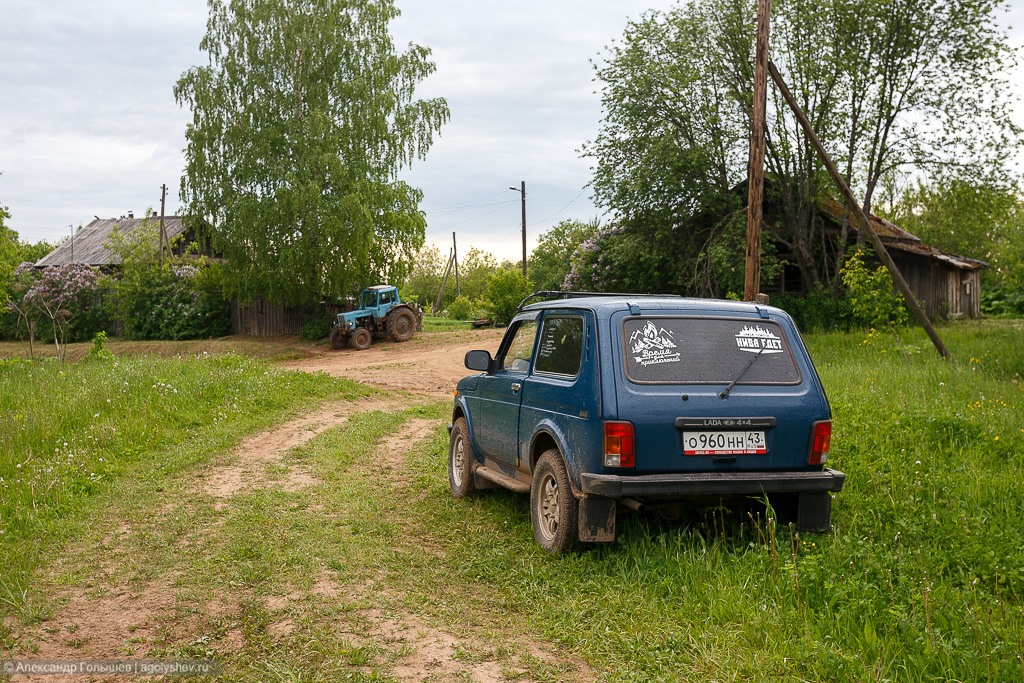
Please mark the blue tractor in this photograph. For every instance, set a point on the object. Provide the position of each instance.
(381, 313)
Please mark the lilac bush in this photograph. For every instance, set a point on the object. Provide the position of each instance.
(68, 297)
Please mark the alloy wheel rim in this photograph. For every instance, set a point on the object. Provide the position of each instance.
(549, 508)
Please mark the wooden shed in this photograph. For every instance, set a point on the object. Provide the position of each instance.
(89, 245)
(947, 285)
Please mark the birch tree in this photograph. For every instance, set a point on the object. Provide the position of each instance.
(301, 122)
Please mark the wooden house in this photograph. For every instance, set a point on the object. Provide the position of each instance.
(947, 285)
(90, 244)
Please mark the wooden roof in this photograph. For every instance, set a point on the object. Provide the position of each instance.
(89, 244)
(896, 238)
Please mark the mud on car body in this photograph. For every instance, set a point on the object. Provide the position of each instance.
(595, 403)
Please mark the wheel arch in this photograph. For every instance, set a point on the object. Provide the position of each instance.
(549, 436)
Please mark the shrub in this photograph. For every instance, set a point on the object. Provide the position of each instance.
(173, 302)
(872, 297)
(504, 292)
(316, 328)
(68, 299)
(1003, 302)
(818, 311)
(460, 309)
(99, 352)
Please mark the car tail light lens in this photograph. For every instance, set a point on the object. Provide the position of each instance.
(821, 437)
(619, 445)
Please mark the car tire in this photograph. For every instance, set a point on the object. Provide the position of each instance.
(361, 339)
(554, 511)
(461, 459)
(402, 326)
(338, 340)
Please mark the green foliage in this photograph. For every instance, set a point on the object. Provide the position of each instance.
(301, 123)
(165, 299)
(316, 328)
(9, 255)
(68, 301)
(818, 311)
(424, 282)
(461, 309)
(1003, 302)
(551, 260)
(872, 297)
(33, 251)
(982, 219)
(886, 84)
(506, 289)
(99, 352)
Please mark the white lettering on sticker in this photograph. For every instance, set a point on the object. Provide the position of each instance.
(758, 340)
(652, 346)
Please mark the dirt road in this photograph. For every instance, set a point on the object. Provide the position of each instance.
(428, 364)
(171, 574)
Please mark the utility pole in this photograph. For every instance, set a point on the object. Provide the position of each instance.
(163, 199)
(755, 175)
(437, 304)
(522, 190)
(455, 257)
(72, 243)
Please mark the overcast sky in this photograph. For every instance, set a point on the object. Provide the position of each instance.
(89, 126)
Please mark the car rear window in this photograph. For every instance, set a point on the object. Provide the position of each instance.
(695, 350)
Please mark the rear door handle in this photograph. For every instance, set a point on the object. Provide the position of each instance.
(516, 386)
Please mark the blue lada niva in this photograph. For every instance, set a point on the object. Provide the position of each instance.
(599, 403)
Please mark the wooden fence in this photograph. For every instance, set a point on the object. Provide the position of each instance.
(265, 319)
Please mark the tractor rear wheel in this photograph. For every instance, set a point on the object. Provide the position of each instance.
(402, 325)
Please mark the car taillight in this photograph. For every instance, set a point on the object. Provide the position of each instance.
(821, 437)
(619, 446)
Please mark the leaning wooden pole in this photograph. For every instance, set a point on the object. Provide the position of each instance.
(860, 217)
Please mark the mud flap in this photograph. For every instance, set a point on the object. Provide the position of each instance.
(814, 512)
(597, 519)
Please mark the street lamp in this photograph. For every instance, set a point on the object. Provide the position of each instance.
(522, 190)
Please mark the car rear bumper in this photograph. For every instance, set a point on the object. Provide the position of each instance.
(711, 483)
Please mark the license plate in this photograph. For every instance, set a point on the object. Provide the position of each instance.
(724, 443)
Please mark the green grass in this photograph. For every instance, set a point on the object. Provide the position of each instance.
(437, 324)
(68, 430)
(922, 578)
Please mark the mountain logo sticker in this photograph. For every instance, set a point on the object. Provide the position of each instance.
(652, 346)
(758, 340)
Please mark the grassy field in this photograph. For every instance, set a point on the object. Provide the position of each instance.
(922, 578)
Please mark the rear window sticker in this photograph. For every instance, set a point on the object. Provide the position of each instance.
(758, 340)
(651, 346)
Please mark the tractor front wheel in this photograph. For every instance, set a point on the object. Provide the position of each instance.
(361, 339)
(338, 340)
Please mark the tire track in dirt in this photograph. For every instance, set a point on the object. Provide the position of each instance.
(96, 622)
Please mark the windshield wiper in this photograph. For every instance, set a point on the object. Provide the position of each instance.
(725, 392)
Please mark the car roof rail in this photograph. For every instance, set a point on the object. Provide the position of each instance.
(575, 295)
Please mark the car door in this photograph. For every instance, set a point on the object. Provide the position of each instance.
(501, 393)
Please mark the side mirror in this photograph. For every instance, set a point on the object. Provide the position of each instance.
(479, 361)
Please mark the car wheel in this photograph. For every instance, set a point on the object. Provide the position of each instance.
(554, 512)
(338, 340)
(361, 339)
(460, 461)
(402, 326)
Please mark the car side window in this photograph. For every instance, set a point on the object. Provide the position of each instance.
(520, 351)
(561, 346)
